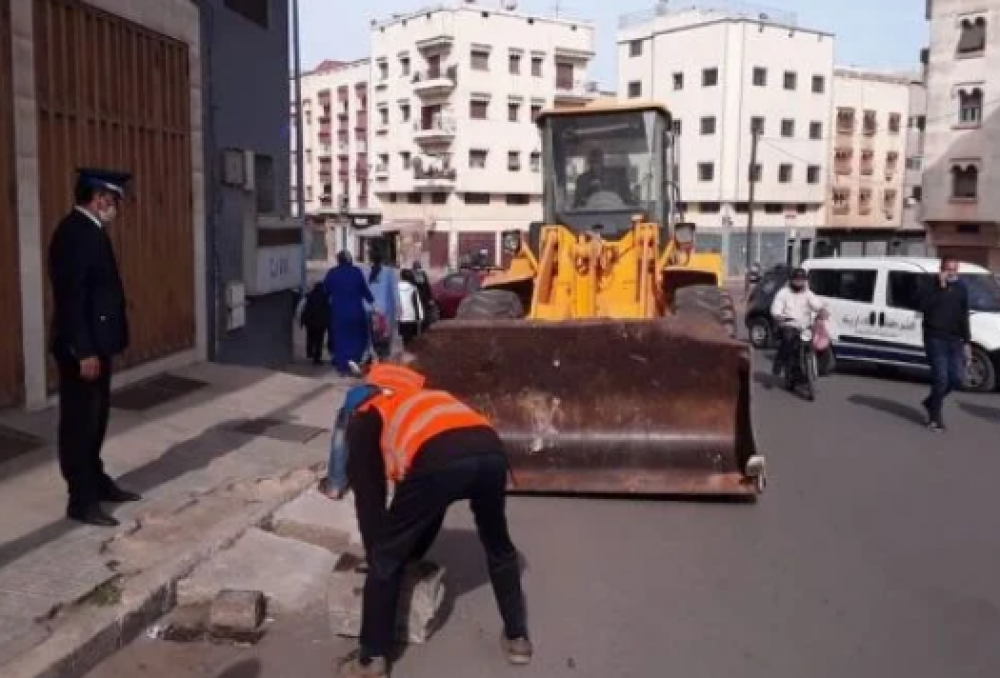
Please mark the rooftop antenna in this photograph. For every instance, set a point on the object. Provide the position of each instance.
(557, 8)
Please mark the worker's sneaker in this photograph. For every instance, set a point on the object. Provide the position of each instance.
(518, 650)
(351, 667)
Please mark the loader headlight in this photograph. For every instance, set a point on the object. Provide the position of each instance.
(806, 335)
(512, 242)
(684, 235)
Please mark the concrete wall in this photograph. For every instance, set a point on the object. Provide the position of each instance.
(247, 95)
(178, 19)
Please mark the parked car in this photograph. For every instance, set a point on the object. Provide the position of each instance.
(759, 323)
(874, 316)
(449, 290)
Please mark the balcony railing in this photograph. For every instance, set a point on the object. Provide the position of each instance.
(435, 81)
(437, 128)
(841, 209)
(576, 90)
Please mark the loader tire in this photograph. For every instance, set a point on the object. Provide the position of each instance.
(486, 304)
(706, 301)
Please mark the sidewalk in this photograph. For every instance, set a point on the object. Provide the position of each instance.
(228, 447)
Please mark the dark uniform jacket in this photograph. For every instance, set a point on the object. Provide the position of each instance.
(366, 465)
(88, 295)
(946, 311)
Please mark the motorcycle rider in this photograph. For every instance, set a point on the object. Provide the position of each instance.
(793, 308)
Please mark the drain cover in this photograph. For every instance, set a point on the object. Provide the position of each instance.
(154, 392)
(14, 443)
(279, 429)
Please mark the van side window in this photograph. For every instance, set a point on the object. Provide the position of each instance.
(905, 289)
(852, 285)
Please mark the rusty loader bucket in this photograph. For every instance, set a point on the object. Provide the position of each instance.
(606, 406)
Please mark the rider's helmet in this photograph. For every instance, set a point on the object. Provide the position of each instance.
(799, 273)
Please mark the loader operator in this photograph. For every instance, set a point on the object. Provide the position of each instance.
(595, 180)
(792, 309)
(437, 451)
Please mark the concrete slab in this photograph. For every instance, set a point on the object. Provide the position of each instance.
(292, 574)
(319, 520)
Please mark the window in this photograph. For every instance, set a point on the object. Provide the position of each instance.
(760, 77)
(536, 110)
(677, 127)
(477, 198)
(480, 60)
(514, 161)
(815, 130)
(895, 122)
(970, 107)
(865, 201)
(819, 84)
(536, 162)
(787, 128)
(791, 80)
(414, 198)
(477, 159)
(708, 125)
(849, 284)
(905, 289)
(889, 201)
(383, 70)
(564, 75)
(845, 121)
(757, 125)
(706, 171)
(406, 159)
(678, 81)
(972, 38)
(264, 180)
(634, 89)
(383, 116)
(536, 66)
(710, 207)
(757, 172)
(404, 66)
(785, 173)
(479, 109)
(841, 200)
(513, 112)
(915, 163)
(773, 208)
(917, 193)
(439, 198)
(251, 10)
(710, 77)
(404, 112)
(964, 182)
(870, 125)
(635, 48)
(812, 174)
(514, 63)
(518, 199)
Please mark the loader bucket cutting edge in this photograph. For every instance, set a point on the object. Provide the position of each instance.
(606, 406)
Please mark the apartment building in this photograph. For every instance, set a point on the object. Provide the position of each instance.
(916, 129)
(866, 191)
(456, 153)
(962, 156)
(335, 154)
(724, 72)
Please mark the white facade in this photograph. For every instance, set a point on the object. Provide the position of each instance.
(916, 127)
(961, 206)
(719, 71)
(455, 152)
(335, 139)
(869, 149)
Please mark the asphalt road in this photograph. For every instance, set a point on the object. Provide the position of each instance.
(874, 553)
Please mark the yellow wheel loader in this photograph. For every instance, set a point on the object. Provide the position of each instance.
(605, 351)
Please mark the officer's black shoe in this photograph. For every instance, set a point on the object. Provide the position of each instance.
(91, 515)
(117, 495)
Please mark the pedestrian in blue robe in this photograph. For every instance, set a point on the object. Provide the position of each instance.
(347, 291)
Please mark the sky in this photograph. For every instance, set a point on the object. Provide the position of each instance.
(879, 34)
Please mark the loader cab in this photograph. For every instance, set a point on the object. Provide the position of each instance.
(607, 164)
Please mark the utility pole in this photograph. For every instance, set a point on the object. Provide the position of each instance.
(752, 176)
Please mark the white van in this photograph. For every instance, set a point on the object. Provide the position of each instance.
(873, 311)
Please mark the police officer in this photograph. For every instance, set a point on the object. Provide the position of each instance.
(89, 328)
(437, 451)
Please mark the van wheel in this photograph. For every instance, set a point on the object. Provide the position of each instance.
(981, 374)
(760, 333)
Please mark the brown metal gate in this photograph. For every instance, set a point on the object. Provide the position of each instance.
(116, 95)
(471, 243)
(11, 355)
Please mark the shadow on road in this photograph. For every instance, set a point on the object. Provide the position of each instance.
(245, 668)
(765, 379)
(990, 414)
(906, 412)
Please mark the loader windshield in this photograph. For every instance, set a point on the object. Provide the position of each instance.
(605, 169)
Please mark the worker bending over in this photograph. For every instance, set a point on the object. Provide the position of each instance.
(437, 451)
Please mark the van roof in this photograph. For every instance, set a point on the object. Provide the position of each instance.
(918, 264)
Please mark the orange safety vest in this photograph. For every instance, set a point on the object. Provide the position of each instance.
(411, 418)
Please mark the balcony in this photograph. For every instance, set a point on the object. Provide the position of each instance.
(435, 82)
(433, 176)
(441, 41)
(324, 97)
(575, 92)
(437, 130)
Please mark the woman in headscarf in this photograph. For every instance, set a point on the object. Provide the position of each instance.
(384, 284)
(347, 291)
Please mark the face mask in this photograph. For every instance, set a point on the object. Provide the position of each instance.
(108, 214)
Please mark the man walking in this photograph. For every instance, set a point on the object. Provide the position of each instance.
(89, 328)
(945, 309)
(437, 451)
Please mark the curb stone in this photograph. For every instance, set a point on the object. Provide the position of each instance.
(79, 644)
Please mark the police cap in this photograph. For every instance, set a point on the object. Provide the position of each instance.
(103, 180)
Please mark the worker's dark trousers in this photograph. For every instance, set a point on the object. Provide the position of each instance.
(414, 518)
